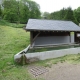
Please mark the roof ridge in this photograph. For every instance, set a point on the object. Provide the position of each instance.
(50, 20)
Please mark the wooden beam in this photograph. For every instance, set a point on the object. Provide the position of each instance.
(35, 37)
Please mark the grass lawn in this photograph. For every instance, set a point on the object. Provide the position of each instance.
(13, 40)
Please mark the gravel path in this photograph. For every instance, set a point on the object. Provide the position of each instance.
(63, 71)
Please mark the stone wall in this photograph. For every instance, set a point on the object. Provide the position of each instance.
(53, 54)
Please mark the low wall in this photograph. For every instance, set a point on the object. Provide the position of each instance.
(53, 54)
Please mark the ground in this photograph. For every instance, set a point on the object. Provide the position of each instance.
(63, 68)
(63, 71)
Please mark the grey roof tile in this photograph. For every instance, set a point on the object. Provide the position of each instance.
(51, 25)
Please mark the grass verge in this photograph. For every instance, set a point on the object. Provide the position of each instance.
(71, 58)
(12, 40)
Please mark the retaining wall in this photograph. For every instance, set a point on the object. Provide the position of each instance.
(53, 53)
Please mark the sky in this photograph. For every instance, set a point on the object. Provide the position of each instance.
(55, 5)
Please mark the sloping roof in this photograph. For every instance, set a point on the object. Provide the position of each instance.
(51, 25)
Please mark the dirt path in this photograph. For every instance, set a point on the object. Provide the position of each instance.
(62, 71)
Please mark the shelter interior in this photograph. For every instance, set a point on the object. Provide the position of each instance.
(45, 38)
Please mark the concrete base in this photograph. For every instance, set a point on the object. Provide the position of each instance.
(53, 54)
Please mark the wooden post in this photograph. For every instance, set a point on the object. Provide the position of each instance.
(31, 38)
(70, 36)
(35, 37)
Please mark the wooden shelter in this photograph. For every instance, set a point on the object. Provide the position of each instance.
(52, 32)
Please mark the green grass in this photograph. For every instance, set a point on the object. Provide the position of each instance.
(71, 59)
(12, 40)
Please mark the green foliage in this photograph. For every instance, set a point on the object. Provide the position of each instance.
(10, 10)
(16, 25)
(0, 11)
(24, 14)
(34, 9)
(46, 15)
(58, 15)
(20, 10)
(55, 15)
(77, 14)
(10, 16)
(62, 13)
(70, 16)
(66, 14)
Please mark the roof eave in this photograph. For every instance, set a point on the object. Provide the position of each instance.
(52, 30)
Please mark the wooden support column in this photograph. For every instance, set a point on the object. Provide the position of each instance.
(72, 37)
(35, 37)
(31, 37)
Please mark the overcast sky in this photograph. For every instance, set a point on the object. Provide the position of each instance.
(55, 5)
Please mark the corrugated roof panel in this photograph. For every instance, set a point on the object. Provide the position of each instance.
(53, 25)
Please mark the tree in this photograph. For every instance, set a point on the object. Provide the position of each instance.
(55, 15)
(58, 15)
(62, 13)
(29, 9)
(10, 16)
(46, 15)
(70, 16)
(34, 9)
(20, 10)
(24, 14)
(77, 14)
(0, 11)
(10, 10)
